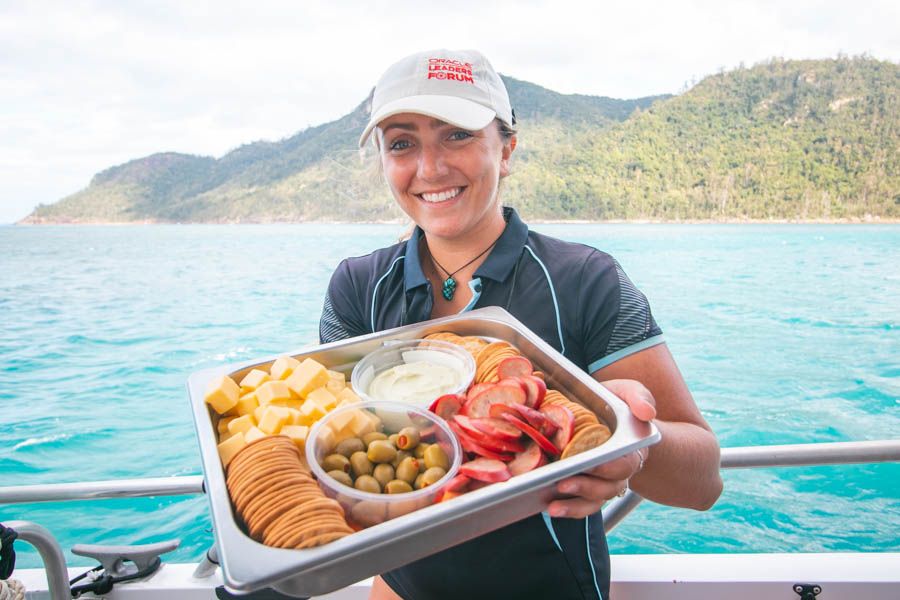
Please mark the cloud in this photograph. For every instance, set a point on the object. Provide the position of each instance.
(91, 84)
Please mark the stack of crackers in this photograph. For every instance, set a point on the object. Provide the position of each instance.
(589, 431)
(277, 498)
(472, 343)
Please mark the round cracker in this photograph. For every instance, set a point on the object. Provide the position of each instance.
(590, 437)
(321, 539)
(319, 529)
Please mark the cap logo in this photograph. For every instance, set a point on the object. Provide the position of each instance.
(450, 70)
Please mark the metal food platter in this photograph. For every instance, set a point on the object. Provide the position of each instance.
(248, 565)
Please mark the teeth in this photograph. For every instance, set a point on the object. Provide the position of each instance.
(441, 196)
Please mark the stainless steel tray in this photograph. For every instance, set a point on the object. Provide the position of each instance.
(248, 565)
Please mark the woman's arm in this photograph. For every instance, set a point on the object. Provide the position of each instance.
(681, 470)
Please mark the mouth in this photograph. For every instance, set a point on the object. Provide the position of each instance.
(441, 196)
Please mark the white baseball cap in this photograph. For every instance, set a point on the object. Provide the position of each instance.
(456, 86)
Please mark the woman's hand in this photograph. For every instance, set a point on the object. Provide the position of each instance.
(589, 490)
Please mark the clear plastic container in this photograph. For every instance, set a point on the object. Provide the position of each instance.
(365, 509)
(428, 366)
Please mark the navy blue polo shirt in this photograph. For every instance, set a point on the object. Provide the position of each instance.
(575, 298)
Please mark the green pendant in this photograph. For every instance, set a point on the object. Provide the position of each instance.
(448, 288)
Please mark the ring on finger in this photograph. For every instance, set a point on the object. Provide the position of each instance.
(623, 491)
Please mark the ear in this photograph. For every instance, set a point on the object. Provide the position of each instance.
(505, 153)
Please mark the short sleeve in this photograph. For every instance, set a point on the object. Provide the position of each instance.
(341, 314)
(617, 316)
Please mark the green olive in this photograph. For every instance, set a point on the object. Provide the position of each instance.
(336, 462)
(341, 477)
(408, 438)
(393, 438)
(436, 457)
(432, 475)
(419, 451)
(349, 446)
(367, 483)
(381, 451)
(360, 464)
(401, 454)
(408, 470)
(397, 486)
(419, 482)
(371, 437)
(383, 473)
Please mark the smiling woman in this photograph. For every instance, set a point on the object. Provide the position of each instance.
(445, 143)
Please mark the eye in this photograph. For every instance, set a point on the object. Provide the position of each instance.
(459, 135)
(398, 145)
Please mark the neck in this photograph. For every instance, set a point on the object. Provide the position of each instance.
(454, 252)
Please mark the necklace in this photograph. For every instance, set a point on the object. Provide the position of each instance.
(448, 288)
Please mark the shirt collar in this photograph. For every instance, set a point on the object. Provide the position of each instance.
(499, 262)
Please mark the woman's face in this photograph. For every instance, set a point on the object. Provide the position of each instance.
(444, 177)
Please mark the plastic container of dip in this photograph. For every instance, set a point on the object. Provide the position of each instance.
(365, 509)
(414, 372)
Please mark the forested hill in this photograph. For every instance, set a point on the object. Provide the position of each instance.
(780, 140)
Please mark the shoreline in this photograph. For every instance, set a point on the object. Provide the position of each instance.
(403, 222)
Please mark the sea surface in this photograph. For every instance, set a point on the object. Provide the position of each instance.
(785, 334)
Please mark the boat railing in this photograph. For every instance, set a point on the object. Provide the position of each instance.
(743, 457)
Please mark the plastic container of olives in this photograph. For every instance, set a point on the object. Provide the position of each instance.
(434, 368)
(388, 478)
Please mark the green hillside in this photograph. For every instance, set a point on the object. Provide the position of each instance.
(785, 139)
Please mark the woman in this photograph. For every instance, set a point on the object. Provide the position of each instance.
(443, 127)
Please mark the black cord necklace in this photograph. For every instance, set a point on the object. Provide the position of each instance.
(448, 288)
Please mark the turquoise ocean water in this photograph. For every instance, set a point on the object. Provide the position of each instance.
(785, 333)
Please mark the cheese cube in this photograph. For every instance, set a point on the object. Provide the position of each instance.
(230, 447)
(272, 390)
(258, 412)
(326, 439)
(308, 376)
(283, 367)
(273, 419)
(247, 404)
(337, 376)
(222, 425)
(323, 398)
(362, 423)
(347, 394)
(253, 379)
(335, 386)
(253, 434)
(341, 420)
(241, 424)
(297, 433)
(294, 403)
(222, 394)
(293, 417)
(312, 410)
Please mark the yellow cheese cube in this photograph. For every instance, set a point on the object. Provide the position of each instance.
(253, 434)
(297, 433)
(347, 394)
(323, 398)
(241, 424)
(271, 391)
(337, 376)
(308, 376)
(258, 412)
(230, 447)
(222, 425)
(247, 404)
(335, 386)
(283, 367)
(294, 403)
(362, 423)
(222, 394)
(253, 379)
(341, 420)
(293, 417)
(326, 439)
(312, 410)
(273, 419)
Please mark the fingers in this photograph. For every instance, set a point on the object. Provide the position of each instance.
(589, 496)
(635, 395)
(623, 467)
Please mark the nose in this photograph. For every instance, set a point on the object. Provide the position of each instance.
(431, 165)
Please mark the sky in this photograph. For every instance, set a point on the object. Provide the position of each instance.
(85, 85)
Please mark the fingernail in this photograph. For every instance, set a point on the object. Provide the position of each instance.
(559, 512)
(567, 488)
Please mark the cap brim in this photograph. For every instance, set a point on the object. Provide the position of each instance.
(456, 111)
